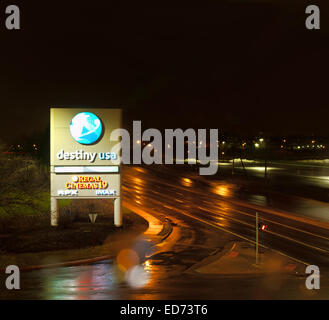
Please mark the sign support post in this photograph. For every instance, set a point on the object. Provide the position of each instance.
(257, 238)
(54, 213)
(117, 212)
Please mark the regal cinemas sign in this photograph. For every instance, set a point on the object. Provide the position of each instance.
(86, 183)
(87, 186)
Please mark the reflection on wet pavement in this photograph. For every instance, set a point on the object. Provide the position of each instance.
(151, 269)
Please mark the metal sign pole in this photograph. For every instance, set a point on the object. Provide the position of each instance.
(257, 238)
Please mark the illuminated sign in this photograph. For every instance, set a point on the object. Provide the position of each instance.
(86, 185)
(106, 192)
(67, 193)
(88, 182)
(70, 143)
(85, 156)
(75, 193)
(87, 169)
(79, 183)
(86, 128)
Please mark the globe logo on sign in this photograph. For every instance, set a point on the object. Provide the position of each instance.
(86, 128)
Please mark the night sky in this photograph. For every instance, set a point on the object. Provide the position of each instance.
(241, 66)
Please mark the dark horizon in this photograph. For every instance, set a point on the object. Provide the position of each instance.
(242, 68)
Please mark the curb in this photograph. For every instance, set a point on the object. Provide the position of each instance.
(166, 230)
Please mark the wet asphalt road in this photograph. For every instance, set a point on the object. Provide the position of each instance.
(212, 203)
(206, 218)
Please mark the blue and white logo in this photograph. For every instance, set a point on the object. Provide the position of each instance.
(86, 128)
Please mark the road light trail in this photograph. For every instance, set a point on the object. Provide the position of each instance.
(157, 203)
(251, 215)
(239, 222)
